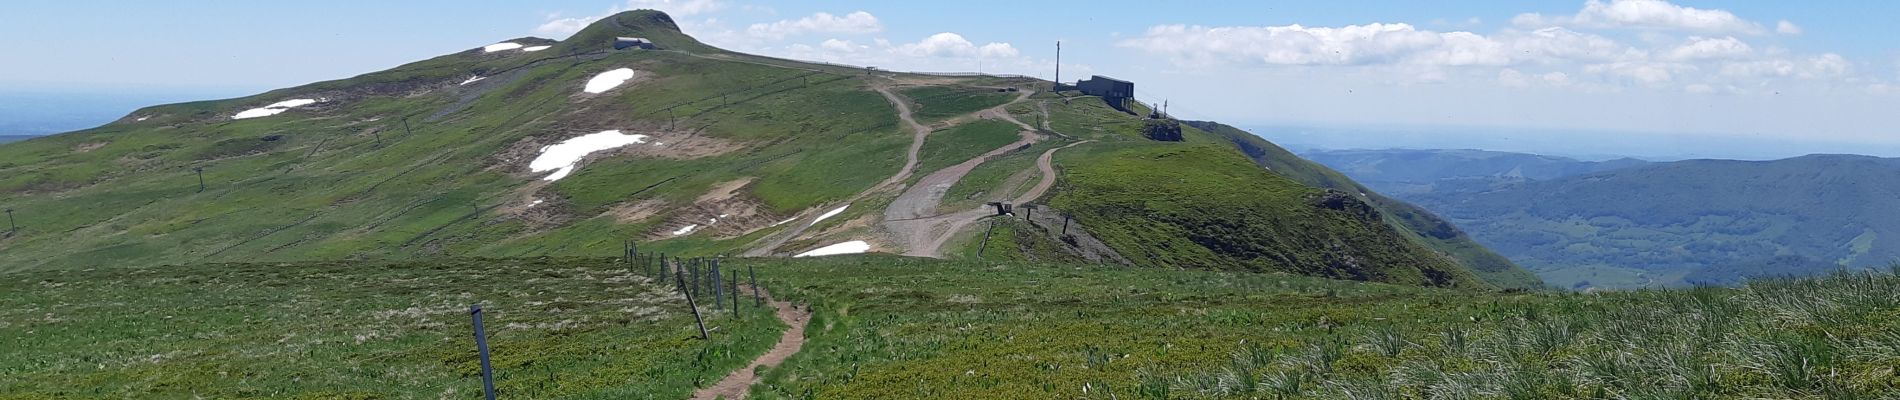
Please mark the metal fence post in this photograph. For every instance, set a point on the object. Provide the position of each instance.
(718, 285)
(695, 307)
(756, 297)
(481, 346)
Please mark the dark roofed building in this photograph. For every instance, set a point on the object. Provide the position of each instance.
(1106, 87)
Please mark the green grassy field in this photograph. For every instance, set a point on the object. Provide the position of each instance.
(893, 327)
(937, 103)
(1135, 198)
(903, 328)
(558, 328)
(954, 145)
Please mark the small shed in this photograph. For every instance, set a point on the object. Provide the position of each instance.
(1106, 87)
(621, 43)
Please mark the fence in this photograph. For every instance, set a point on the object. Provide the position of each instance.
(693, 278)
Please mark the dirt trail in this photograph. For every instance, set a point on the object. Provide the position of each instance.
(737, 384)
(919, 133)
(910, 217)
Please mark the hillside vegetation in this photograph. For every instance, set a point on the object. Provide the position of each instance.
(1416, 223)
(722, 153)
(1697, 221)
(892, 327)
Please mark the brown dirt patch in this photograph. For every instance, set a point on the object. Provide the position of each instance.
(89, 146)
(629, 213)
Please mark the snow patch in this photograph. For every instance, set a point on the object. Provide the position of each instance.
(563, 158)
(142, 119)
(473, 79)
(273, 109)
(608, 80)
(685, 230)
(535, 203)
(500, 47)
(829, 214)
(787, 220)
(851, 247)
(535, 48)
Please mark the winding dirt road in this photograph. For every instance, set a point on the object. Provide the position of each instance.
(911, 219)
(739, 382)
(919, 133)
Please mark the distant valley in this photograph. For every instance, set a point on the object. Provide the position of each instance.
(1630, 223)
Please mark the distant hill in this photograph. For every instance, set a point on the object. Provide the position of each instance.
(15, 138)
(1696, 221)
(1407, 171)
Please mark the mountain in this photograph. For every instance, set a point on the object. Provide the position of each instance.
(1417, 223)
(1685, 222)
(1407, 171)
(535, 147)
(15, 138)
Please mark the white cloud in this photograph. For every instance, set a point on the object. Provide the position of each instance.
(1701, 48)
(1787, 28)
(952, 45)
(1376, 43)
(841, 46)
(854, 23)
(1373, 44)
(1644, 14)
(1827, 65)
(559, 27)
(1642, 72)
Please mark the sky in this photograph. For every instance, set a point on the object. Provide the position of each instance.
(1759, 78)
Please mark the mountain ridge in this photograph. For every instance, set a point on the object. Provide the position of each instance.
(720, 152)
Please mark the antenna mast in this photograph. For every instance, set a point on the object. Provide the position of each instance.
(1058, 64)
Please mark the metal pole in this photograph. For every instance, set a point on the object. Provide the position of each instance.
(735, 291)
(12, 227)
(718, 286)
(756, 297)
(1065, 224)
(689, 304)
(201, 178)
(986, 239)
(481, 345)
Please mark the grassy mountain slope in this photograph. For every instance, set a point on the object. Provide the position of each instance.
(409, 162)
(1415, 222)
(1201, 203)
(891, 327)
(1653, 225)
(425, 160)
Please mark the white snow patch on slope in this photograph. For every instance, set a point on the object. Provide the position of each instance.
(851, 247)
(500, 46)
(535, 48)
(564, 157)
(473, 79)
(273, 109)
(785, 221)
(608, 80)
(685, 230)
(829, 214)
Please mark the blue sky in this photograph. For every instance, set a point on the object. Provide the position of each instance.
(1765, 71)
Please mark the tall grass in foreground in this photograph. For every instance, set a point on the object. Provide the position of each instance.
(886, 329)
